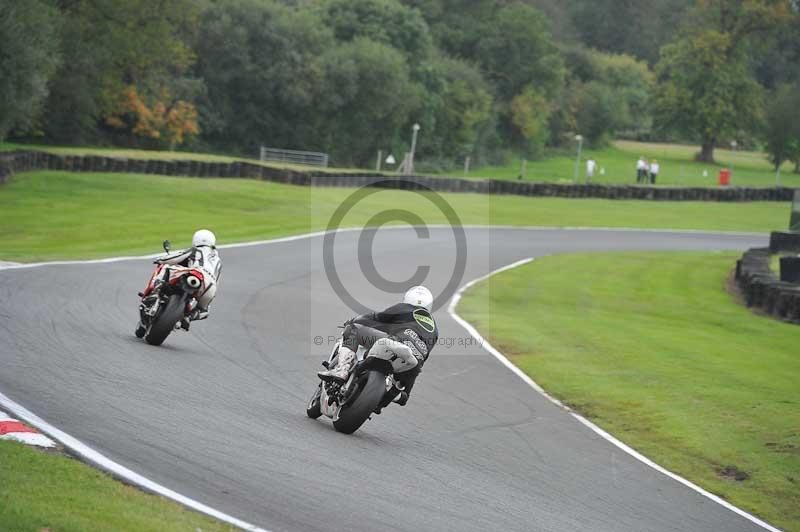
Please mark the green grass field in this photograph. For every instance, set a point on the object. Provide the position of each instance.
(41, 491)
(652, 348)
(619, 162)
(58, 215)
(677, 166)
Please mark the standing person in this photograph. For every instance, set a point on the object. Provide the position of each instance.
(591, 166)
(654, 168)
(641, 169)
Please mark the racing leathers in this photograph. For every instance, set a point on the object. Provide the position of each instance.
(413, 327)
(204, 258)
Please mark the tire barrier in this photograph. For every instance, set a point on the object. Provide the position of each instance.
(780, 241)
(762, 289)
(24, 161)
(790, 269)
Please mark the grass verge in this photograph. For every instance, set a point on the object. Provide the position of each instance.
(51, 215)
(45, 491)
(750, 168)
(652, 348)
(678, 167)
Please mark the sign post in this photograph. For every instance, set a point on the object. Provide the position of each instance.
(579, 138)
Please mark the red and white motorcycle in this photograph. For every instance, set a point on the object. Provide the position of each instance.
(168, 300)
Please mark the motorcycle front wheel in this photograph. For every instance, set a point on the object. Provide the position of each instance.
(164, 322)
(356, 412)
(314, 409)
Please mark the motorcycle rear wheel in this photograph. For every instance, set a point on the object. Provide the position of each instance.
(164, 322)
(356, 412)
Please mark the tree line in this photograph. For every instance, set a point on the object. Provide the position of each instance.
(483, 78)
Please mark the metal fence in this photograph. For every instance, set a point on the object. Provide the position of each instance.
(311, 158)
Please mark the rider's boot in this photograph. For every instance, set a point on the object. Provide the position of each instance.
(397, 394)
(196, 314)
(343, 366)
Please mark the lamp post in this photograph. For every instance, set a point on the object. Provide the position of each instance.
(733, 149)
(579, 138)
(415, 129)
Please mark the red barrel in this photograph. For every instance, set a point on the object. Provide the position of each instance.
(724, 177)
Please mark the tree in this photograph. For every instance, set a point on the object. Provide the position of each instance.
(168, 122)
(456, 106)
(599, 111)
(638, 28)
(530, 112)
(776, 58)
(28, 59)
(457, 25)
(110, 45)
(607, 83)
(705, 92)
(368, 96)
(782, 128)
(517, 50)
(518, 56)
(740, 19)
(384, 21)
(261, 62)
(631, 84)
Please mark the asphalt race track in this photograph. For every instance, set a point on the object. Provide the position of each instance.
(219, 414)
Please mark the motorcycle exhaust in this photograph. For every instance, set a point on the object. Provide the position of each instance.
(193, 282)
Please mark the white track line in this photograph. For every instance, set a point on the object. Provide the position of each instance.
(451, 309)
(95, 458)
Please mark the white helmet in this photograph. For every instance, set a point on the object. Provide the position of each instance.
(419, 296)
(204, 237)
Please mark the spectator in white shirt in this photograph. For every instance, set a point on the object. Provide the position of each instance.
(591, 166)
(654, 168)
(641, 170)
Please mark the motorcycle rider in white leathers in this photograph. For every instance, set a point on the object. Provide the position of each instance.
(411, 328)
(203, 256)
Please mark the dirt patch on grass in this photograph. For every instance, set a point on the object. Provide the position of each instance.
(733, 473)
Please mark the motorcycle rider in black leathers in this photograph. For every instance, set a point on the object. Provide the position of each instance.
(410, 323)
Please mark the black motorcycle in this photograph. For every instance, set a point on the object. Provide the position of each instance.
(351, 403)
